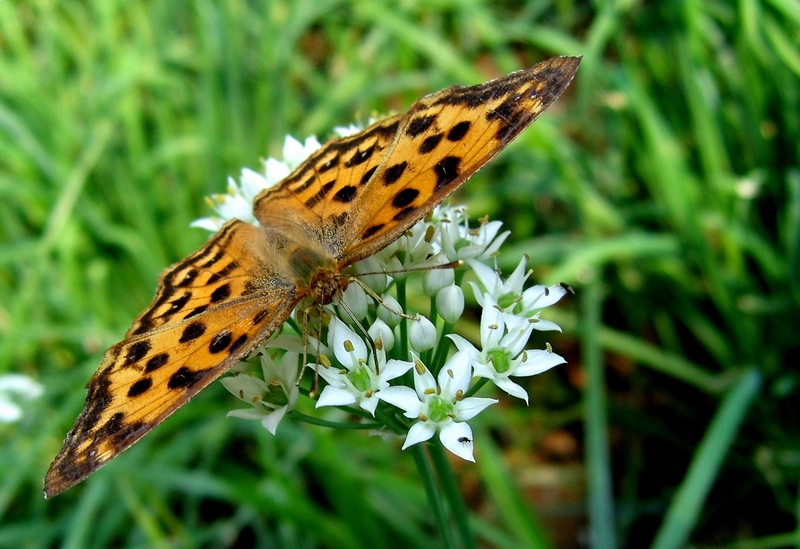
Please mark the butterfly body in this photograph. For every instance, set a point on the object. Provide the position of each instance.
(347, 201)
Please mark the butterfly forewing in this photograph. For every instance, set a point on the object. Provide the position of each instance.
(349, 200)
(442, 141)
(175, 349)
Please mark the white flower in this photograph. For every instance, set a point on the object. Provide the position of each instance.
(15, 387)
(459, 241)
(238, 202)
(295, 153)
(415, 249)
(357, 383)
(509, 296)
(271, 397)
(440, 407)
(503, 353)
(347, 131)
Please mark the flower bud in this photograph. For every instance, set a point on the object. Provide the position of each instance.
(385, 311)
(380, 331)
(356, 299)
(422, 334)
(450, 303)
(436, 279)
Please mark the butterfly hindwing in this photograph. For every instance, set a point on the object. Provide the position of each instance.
(177, 347)
(322, 189)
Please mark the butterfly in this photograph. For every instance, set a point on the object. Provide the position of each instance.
(347, 201)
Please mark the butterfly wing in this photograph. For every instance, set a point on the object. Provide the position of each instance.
(441, 142)
(357, 194)
(317, 197)
(211, 310)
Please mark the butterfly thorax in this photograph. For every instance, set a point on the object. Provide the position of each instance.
(317, 273)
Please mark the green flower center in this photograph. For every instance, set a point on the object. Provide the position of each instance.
(507, 300)
(439, 409)
(360, 379)
(275, 395)
(500, 359)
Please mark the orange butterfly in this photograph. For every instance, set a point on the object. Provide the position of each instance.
(349, 200)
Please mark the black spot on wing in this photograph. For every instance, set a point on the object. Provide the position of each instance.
(196, 311)
(261, 316)
(140, 387)
(192, 331)
(306, 184)
(188, 278)
(238, 343)
(329, 165)
(393, 173)
(221, 293)
(345, 195)
(220, 342)
(184, 377)
(156, 362)
(321, 193)
(404, 198)
(419, 125)
(360, 157)
(179, 303)
(430, 143)
(372, 230)
(446, 171)
(458, 131)
(214, 260)
(137, 351)
(402, 214)
(368, 175)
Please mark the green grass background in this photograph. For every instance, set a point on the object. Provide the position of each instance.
(664, 186)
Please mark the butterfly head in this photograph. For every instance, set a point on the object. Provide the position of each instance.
(317, 273)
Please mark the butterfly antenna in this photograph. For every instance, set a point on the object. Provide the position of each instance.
(451, 265)
(364, 332)
(380, 301)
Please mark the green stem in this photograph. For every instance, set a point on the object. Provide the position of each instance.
(452, 493)
(401, 299)
(335, 424)
(433, 494)
(600, 496)
(687, 505)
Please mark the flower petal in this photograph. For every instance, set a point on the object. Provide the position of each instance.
(505, 384)
(419, 432)
(470, 407)
(334, 396)
(538, 361)
(457, 438)
(246, 413)
(404, 398)
(455, 375)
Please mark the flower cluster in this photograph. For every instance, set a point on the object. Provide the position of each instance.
(15, 388)
(391, 363)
